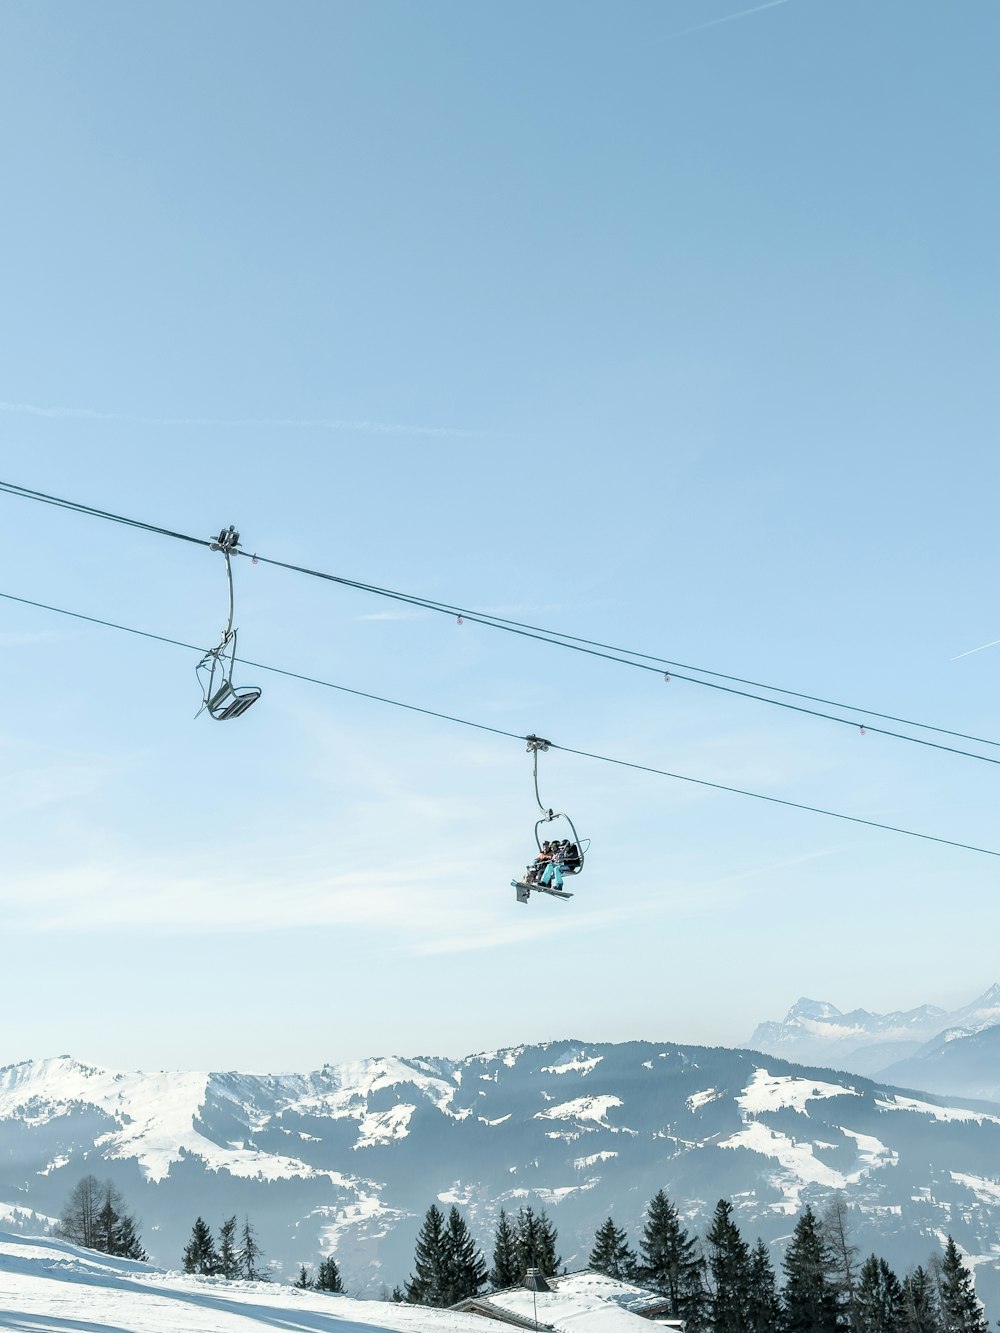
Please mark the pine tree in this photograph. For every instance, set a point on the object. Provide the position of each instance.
(328, 1276)
(960, 1311)
(303, 1281)
(129, 1244)
(199, 1253)
(465, 1271)
(505, 1271)
(811, 1302)
(878, 1299)
(429, 1283)
(611, 1253)
(78, 1222)
(695, 1302)
(397, 1294)
(729, 1266)
(229, 1259)
(671, 1264)
(920, 1307)
(763, 1306)
(107, 1223)
(548, 1235)
(535, 1242)
(118, 1229)
(251, 1257)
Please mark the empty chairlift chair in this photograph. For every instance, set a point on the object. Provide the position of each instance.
(221, 699)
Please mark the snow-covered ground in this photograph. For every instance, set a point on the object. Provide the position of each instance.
(51, 1286)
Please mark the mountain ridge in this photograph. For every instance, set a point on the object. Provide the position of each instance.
(349, 1156)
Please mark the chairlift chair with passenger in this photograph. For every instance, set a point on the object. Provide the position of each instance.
(525, 886)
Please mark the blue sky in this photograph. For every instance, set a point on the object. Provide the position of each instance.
(658, 329)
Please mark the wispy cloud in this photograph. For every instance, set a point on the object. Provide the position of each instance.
(25, 639)
(363, 426)
(559, 919)
(725, 18)
(29, 788)
(992, 644)
(100, 894)
(394, 615)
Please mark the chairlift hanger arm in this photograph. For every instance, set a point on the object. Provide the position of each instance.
(227, 542)
(536, 743)
(548, 814)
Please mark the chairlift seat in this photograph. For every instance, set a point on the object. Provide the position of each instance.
(232, 701)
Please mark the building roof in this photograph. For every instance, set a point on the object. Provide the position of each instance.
(583, 1302)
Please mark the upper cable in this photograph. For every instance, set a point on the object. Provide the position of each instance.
(633, 658)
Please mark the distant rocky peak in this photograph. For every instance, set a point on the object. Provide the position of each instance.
(811, 1009)
(815, 1031)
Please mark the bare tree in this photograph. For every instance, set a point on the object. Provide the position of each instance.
(251, 1256)
(835, 1226)
(80, 1219)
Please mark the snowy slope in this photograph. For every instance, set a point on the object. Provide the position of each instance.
(48, 1284)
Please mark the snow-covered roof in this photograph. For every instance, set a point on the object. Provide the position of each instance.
(598, 1286)
(584, 1302)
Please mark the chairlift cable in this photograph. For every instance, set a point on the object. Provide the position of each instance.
(75, 506)
(591, 647)
(513, 735)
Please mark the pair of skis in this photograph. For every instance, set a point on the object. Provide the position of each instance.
(524, 890)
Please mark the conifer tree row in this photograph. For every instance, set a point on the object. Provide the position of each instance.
(327, 1277)
(732, 1288)
(245, 1260)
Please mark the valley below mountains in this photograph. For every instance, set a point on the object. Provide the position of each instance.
(348, 1158)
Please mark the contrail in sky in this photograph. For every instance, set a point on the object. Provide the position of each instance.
(726, 18)
(319, 423)
(992, 644)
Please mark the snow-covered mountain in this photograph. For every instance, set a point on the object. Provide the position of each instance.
(814, 1031)
(959, 1060)
(349, 1157)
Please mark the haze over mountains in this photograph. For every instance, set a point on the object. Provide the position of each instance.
(926, 1047)
(349, 1157)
